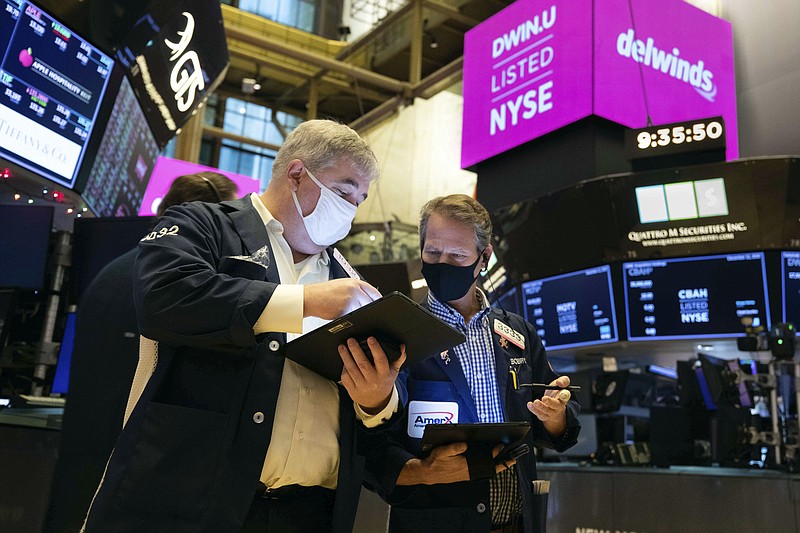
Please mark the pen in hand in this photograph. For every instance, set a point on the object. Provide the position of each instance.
(542, 386)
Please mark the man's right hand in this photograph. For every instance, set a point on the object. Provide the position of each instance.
(331, 299)
(445, 464)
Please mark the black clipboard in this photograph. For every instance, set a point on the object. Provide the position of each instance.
(509, 433)
(393, 319)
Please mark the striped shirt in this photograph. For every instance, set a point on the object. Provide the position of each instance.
(477, 359)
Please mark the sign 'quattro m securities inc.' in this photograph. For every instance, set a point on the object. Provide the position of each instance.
(539, 65)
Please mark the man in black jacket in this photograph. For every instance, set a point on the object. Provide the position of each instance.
(228, 434)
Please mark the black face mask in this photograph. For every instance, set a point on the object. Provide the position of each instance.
(449, 282)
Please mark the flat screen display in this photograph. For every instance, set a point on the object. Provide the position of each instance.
(61, 378)
(97, 242)
(24, 241)
(124, 160)
(790, 267)
(695, 297)
(51, 85)
(572, 310)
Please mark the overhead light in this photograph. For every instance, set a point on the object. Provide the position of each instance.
(429, 34)
(250, 85)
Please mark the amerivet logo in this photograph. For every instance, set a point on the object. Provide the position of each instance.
(648, 54)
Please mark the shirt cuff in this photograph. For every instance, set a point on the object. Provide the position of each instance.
(283, 312)
(372, 421)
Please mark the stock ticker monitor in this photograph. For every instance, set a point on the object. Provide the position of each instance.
(572, 310)
(53, 82)
(125, 158)
(790, 280)
(695, 297)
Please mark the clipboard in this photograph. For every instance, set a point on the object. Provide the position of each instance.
(393, 319)
(509, 433)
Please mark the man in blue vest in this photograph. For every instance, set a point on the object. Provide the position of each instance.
(475, 382)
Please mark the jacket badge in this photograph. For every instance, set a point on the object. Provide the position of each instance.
(509, 334)
(445, 355)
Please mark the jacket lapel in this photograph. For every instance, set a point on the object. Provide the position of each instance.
(251, 230)
(456, 375)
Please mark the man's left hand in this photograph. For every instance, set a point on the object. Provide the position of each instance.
(370, 384)
(551, 410)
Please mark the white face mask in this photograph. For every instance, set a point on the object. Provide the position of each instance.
(331, 219)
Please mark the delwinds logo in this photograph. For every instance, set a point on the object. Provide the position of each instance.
(646, 52)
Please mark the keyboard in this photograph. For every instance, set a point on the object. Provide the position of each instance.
(42, 401)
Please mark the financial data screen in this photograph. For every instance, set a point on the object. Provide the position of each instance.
(695, 297)
(572, 310)
(51, 85)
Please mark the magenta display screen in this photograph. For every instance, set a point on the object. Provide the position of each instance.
(527, 72)
(539, 65)
(166, 170)
(678, 56)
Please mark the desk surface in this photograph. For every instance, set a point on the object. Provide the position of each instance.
(714, 471)
(35, 417)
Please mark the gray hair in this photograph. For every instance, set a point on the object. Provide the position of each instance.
(460, 208)
(322, 144)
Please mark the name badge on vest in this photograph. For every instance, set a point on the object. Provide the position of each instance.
(345, 265)
(421, 414)
(509, 334)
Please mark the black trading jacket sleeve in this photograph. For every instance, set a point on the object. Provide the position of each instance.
(181, 297)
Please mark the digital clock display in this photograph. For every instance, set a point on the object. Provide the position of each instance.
(667, 139)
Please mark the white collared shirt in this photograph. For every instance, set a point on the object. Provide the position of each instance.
(304, 448)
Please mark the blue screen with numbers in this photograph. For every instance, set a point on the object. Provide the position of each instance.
(695, 297)
(51, 85)
(572, 310)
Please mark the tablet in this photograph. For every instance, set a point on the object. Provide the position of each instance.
(393, 319)
(508, 433)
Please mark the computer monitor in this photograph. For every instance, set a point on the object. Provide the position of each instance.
(53, 84)
(573, 309)
(115, 183)
(8, 302)
(790, 283)
(24, 243)
(98, 241)
(695, 297)
(717, 379)
(61, 378)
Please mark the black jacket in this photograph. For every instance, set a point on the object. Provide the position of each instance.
(190, 456)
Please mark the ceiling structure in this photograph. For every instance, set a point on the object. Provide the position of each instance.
(415, 51)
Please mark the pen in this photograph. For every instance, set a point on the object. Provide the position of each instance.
(542, 386)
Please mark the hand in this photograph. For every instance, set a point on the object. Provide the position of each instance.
(369, 384)
(551, 410)
(445, 464)
(337, 297)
